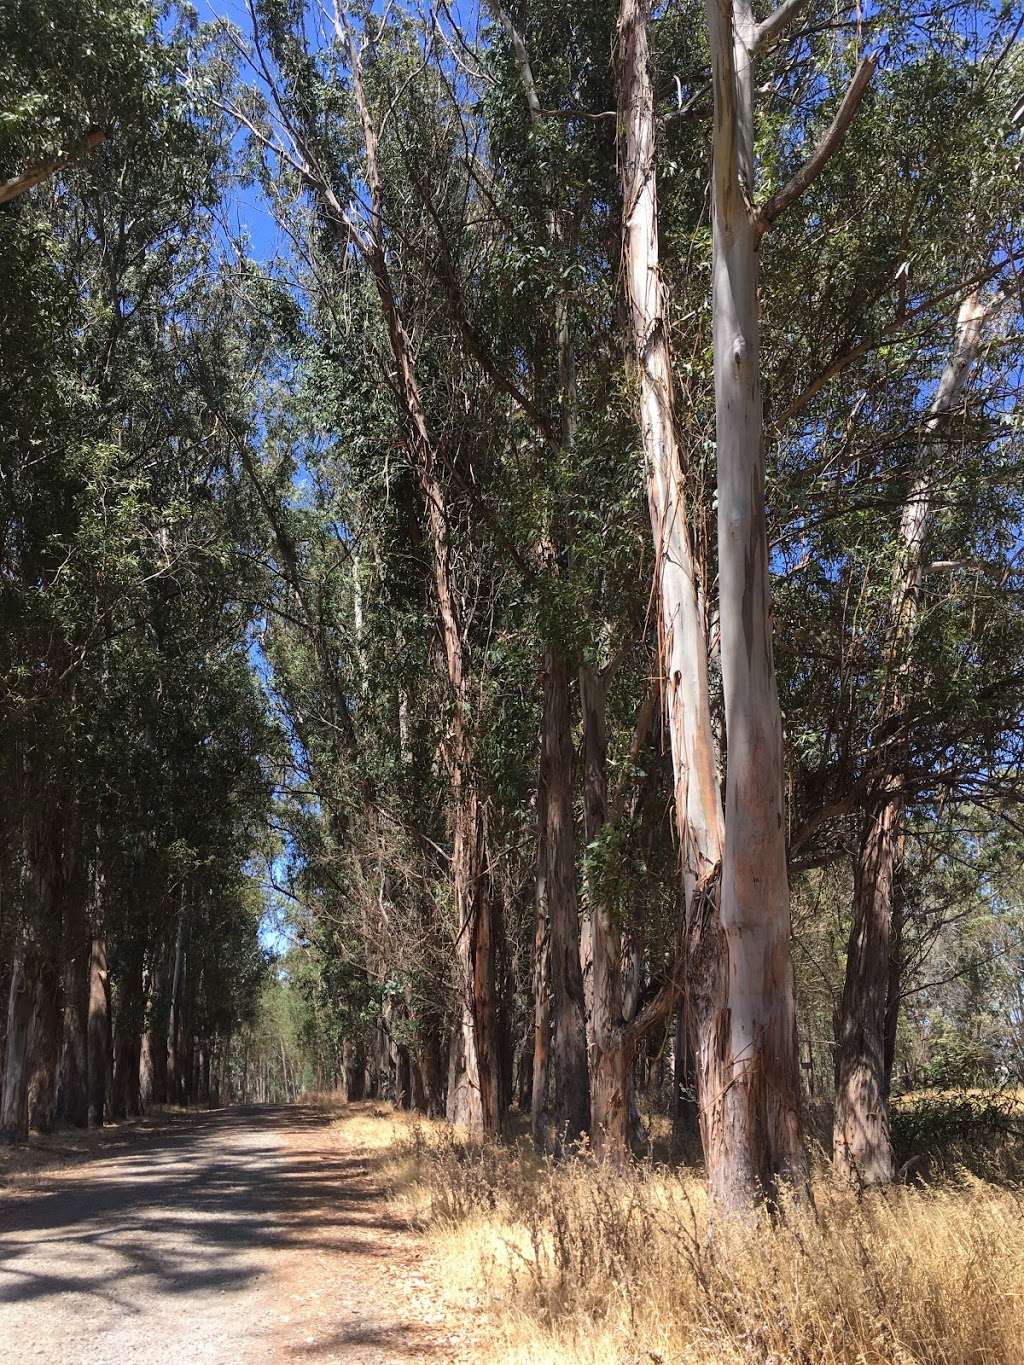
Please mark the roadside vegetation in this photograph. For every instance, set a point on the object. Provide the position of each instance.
(577, 1262)
(512, 607)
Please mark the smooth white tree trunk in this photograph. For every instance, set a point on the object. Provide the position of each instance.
(752, 1134)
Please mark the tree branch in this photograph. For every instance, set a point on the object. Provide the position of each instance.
(826, 148)
(13, 189)
(522, 58)
(851, 351)
(775, 25)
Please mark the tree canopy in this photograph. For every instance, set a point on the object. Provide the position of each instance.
(511, 565)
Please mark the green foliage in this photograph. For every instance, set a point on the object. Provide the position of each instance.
(137, 736)
(980, 1130)
(220, 651)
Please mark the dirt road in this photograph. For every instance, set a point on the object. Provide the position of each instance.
(238, 1235)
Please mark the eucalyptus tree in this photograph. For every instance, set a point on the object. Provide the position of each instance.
(759, 1118)
(862, 1143)
(558, 956)
(511, 297)
(124, 566)
(548, 292)
(683, 647)
(339, 162)
(884, 422)
(807, 259)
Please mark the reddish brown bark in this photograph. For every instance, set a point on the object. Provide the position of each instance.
(866, 1021)
(20, 1005)
(570, 1100)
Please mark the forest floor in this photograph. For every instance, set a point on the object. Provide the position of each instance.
(233, 1235)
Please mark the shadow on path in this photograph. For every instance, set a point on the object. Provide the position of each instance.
(195, 1209)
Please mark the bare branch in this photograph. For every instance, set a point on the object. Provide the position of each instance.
(522, 58)
(851, 351)
(826, 148)
(568, 115)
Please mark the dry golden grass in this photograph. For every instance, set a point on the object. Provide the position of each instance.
(578, 1264)
(1013, 1096)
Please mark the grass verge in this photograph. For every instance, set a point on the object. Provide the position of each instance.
(576, 1263)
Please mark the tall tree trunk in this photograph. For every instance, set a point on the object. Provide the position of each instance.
(158, 1056)
(474, 1093)
(72, 1085)
(146, 1080)
(568, 946)
(892, 1005)
(752, 1131)
(99, 1062)
(570, 1107)
(34, 1032)
(186, 1033)
(682, 636)
(224, 1095)
(172, 1048)
(6, 972)
(540, 1125)
(126, 1098)
(20, 1006)
(428, 1069)
(523, 1072)
(610, 1061)
(44, 1047)
(865, 1035)
(477, 1096)
(353, 1071)
(403, 1077)
(541, 986)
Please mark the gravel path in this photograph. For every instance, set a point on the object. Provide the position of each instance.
(237, 1235)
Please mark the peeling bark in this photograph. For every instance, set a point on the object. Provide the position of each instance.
(682, 636)
(146, 1071)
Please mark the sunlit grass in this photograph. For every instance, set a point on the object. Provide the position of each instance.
(578, 1263)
